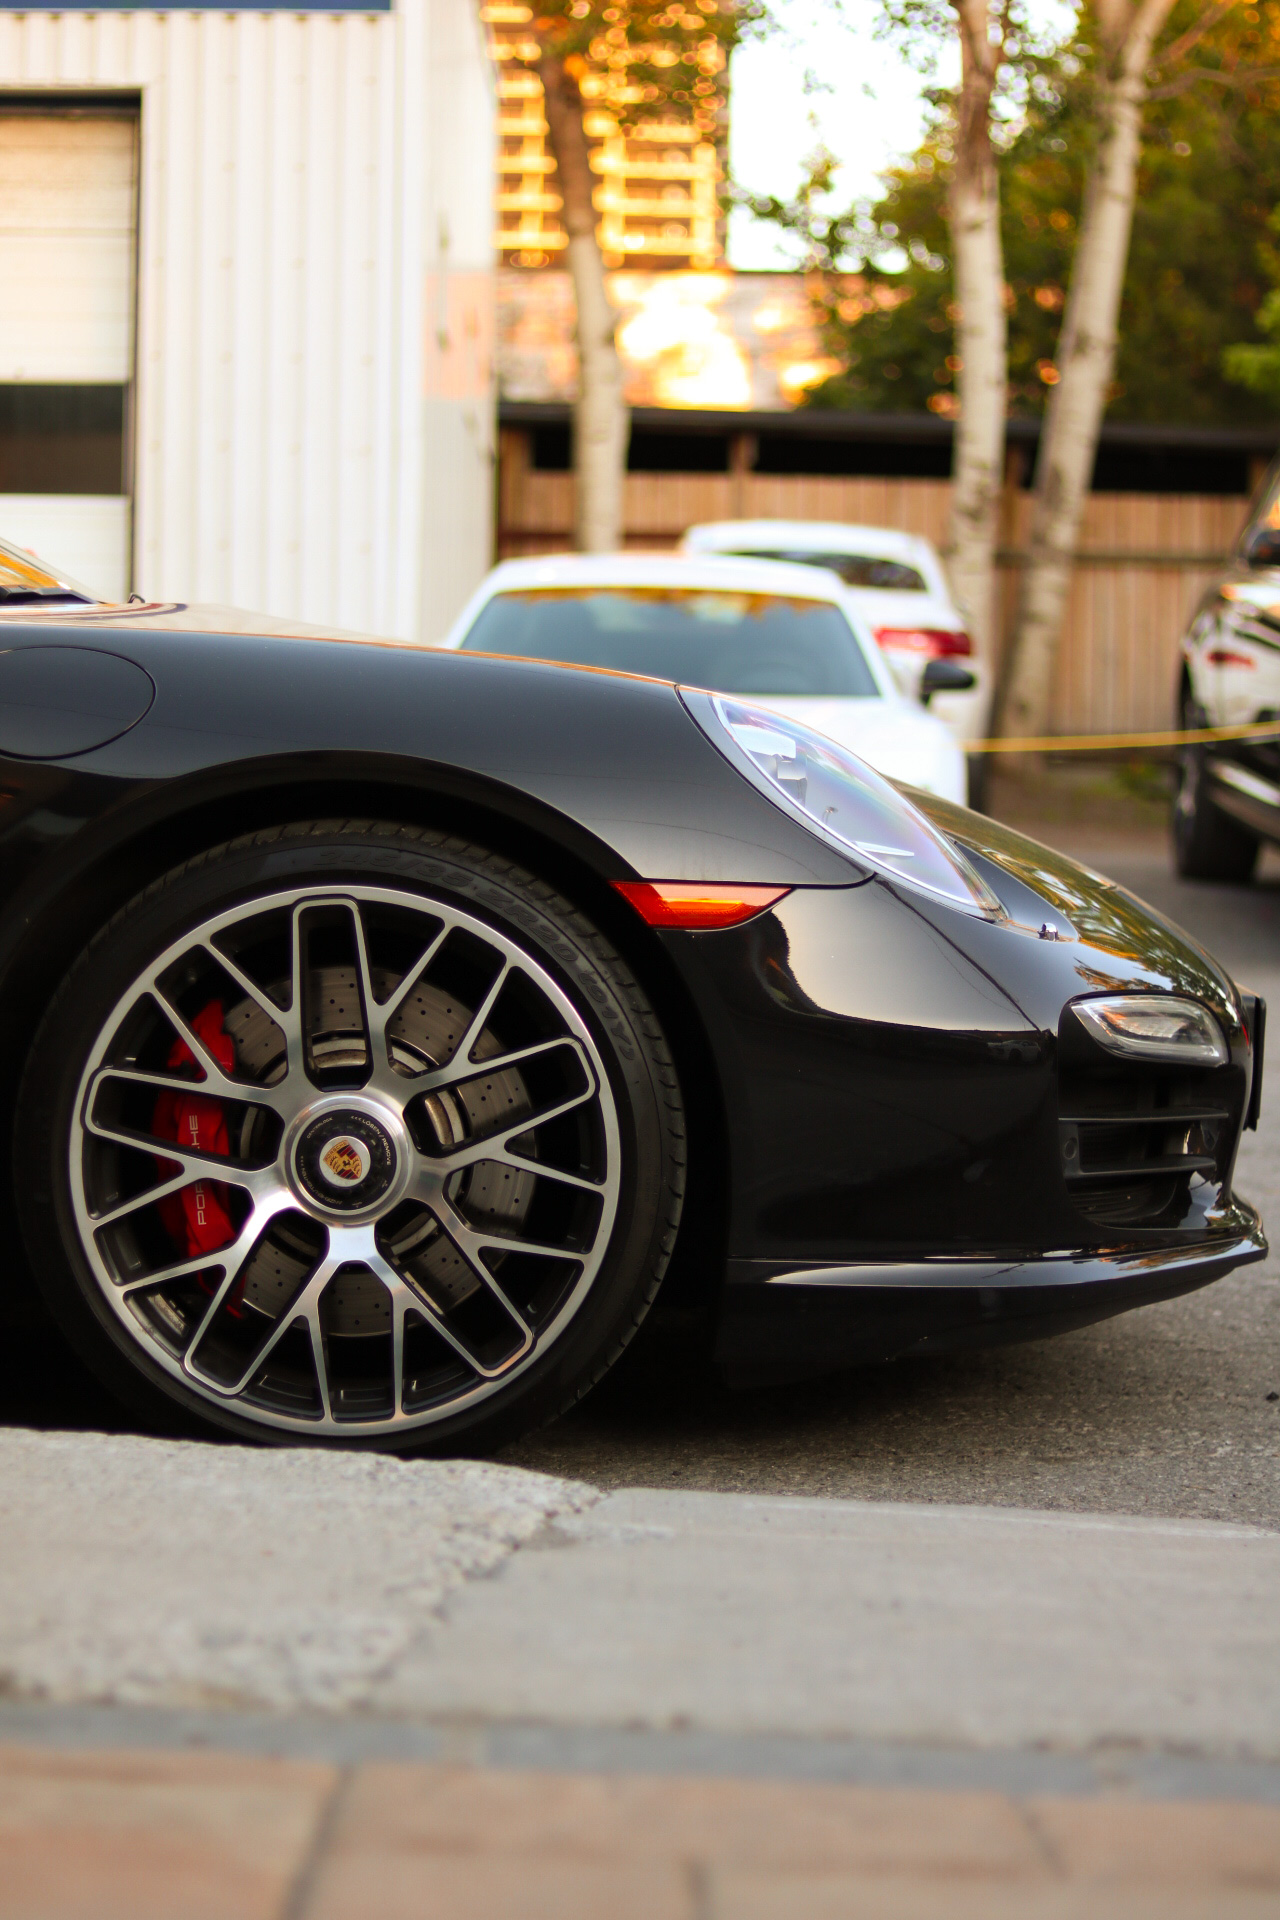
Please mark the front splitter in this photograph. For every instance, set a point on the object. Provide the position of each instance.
(786, 1321)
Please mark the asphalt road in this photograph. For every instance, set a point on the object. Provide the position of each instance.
(1163, 1411)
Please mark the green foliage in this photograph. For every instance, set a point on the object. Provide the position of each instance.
(1249, 364)
(1210, 172)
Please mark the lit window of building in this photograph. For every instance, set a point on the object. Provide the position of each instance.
(659, 176)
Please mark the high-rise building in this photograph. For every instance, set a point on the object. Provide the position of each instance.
(658, 196)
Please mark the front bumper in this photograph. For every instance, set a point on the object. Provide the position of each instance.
(786, 1323)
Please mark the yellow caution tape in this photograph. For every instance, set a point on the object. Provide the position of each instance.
(1111, 742)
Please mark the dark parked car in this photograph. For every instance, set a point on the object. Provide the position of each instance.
(393, 1029)
(1228, 797)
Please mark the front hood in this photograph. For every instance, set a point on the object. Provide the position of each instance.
(898, 739)
(1115, 939)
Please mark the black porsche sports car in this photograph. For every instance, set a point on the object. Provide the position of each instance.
(391, 1029)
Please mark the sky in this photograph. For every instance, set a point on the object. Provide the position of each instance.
(872, 114)
(868, 110)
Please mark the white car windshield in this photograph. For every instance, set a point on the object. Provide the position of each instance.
(735, 642)
(855, 569)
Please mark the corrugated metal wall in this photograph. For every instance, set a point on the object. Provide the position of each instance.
(294, 403)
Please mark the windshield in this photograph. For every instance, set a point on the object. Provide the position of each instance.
(855, 569)
(732, 642)
(23, 577)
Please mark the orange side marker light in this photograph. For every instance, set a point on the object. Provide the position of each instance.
(696, 908)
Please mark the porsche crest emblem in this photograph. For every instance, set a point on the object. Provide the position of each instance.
(344, 1161)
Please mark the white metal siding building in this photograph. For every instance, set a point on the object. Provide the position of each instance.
(267, 235)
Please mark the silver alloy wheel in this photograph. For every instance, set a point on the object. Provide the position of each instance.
(345, 1160)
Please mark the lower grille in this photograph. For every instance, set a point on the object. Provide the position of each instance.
(1130, 1168)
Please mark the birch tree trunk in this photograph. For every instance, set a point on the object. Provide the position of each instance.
(601, 423)
(1086, 361)
(981, 335)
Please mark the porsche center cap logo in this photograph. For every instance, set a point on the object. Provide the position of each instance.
(344, 1160)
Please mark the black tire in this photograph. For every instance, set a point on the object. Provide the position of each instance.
(1207, 843)
(609, 1086)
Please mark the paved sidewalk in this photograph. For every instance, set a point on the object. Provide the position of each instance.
(162, 1574)
(136, 1836)
(444, 1689)
(187, 1573)
(943, 1625)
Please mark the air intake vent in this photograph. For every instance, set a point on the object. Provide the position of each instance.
(1127, 1168)
(1132, 1138)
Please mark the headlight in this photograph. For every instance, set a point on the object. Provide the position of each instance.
(1155, 1026)
(841, 798)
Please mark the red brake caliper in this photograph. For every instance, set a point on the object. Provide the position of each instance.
(197, 1217)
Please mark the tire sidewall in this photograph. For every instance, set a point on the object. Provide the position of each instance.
(495, 892)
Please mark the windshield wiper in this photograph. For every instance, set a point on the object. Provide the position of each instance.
(17, 596)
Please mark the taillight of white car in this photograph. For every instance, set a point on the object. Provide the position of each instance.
(935, 643)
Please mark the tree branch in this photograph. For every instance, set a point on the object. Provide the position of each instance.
(1235, 81)
(1208, 19)
(1114, 23)
(979, 47)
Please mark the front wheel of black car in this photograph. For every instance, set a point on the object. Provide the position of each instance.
(1207, 843)
(350, 1133)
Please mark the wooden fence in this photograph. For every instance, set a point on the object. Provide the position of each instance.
(1143, 562)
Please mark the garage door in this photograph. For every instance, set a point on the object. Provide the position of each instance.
(68, 199)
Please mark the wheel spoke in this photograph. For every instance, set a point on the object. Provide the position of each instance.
(196, 1163)
(179, 1270)
(471, 1242)
(548, 1114)
(364, 980)
(379, 1015)
(403, 1296)
(242, 1092)
(146, 1199)
(232, 1258)
(215, 1080)
(468, 1243)
(319, 1359)
(479, 1019)
(544, 1172)
(289, 1093)
(159, 1082)
(283, 1017)
(459, 1069)
(305, 1306)
(497, 1146)
(391, 1006)
(294, 1036)
(399, 1312)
